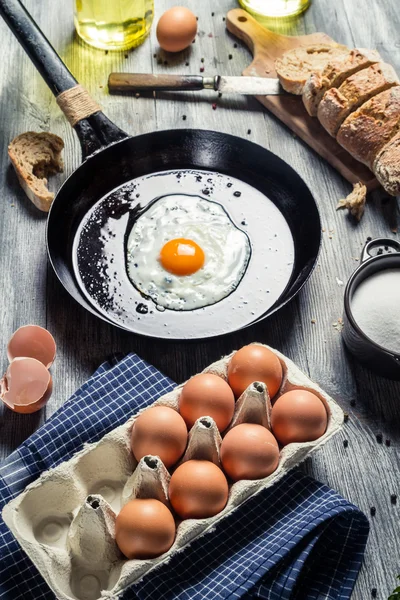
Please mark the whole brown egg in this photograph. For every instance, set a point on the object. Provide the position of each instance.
(176, 29)
(198, 489)
(254, 363)
(160, 431)
(144, 529)
(249, 451)
(207, 395)
(298, 416)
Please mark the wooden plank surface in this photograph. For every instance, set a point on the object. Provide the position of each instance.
(366, 472)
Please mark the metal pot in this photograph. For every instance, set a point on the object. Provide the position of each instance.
(382, 361)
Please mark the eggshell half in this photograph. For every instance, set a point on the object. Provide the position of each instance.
(34, 342)
(26, 386)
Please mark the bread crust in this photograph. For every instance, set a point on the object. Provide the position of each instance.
(338, 103)
(295, 66)
(367, 130)
(35, 156)
(334, 74)
(386, 166)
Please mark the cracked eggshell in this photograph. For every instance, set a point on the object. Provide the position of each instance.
(32, 341)
(26, 385)
(59, 493)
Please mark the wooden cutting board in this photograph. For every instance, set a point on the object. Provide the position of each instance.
(266, 46)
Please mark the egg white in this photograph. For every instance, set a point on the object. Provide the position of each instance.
(227, 252)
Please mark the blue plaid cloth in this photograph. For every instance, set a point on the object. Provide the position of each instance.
(298, 540)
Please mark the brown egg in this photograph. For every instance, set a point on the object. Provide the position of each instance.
(207, 395)
(176, 29)
(26, 386)
(159, 431)
(254, 363)
(298, 416)
(144, 529)
(198, 489)
(34, 342)
(249, 451)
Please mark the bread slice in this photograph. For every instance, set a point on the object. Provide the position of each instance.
(338, 103)
(334, 74)
(387, 166)
(295, 66)
(35, 156)
(367, 130)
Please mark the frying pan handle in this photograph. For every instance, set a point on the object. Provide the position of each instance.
(94, 130)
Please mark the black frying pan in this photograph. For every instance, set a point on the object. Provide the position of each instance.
(260, 193)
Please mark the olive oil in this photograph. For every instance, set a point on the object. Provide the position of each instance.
(113, 24)
(275, 8)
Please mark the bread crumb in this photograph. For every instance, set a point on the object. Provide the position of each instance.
(313, 321)
(338, 325)
(355, 201)
(339, 281)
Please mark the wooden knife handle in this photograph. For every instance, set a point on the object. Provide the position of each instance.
(140, 82)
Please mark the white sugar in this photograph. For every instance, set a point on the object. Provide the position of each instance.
(376, 308)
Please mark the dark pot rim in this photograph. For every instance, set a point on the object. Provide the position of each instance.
(366, 260)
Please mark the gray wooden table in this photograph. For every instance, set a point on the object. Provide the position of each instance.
(366, 469)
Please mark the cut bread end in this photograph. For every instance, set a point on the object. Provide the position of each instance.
(34, 157)
(295, 66)
(387, 166)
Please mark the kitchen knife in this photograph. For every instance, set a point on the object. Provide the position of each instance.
(140, 82)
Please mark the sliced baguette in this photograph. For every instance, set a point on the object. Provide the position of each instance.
(387, 166)
(295, 66)
(338, 103)
(334, 74)
(367, 130)
(35, 156)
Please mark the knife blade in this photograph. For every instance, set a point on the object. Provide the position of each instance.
(139, 82)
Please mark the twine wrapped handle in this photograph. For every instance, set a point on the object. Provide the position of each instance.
(77, 104)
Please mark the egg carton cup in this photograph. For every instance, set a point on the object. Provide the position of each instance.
(65, 520)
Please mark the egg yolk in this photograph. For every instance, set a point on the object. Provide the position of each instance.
(181, 257)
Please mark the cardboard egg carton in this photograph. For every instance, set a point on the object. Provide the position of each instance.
(65, 521)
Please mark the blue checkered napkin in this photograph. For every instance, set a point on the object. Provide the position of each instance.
(298, 540)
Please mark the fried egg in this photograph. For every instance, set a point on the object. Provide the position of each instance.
(184, 252)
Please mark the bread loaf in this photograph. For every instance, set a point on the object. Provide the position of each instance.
(367, 130)
(295, 66)
(35, 156)
(387, 166)
(338, 103)
(334, 74)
